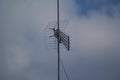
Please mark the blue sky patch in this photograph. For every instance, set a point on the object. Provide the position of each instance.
(95, 5)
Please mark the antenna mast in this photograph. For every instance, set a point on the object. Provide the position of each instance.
(61, 38)
(58, 39)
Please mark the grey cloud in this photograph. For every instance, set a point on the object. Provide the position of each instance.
(94, 50)
(21, 39)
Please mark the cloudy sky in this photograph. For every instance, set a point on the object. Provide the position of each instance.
(93, 27)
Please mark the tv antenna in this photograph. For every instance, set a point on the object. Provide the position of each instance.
(53, 32)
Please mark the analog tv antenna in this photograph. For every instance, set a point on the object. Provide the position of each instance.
(49, 36)
(54, 33)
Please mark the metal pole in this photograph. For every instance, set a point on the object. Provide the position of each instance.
(58, 12)
(58, 40)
